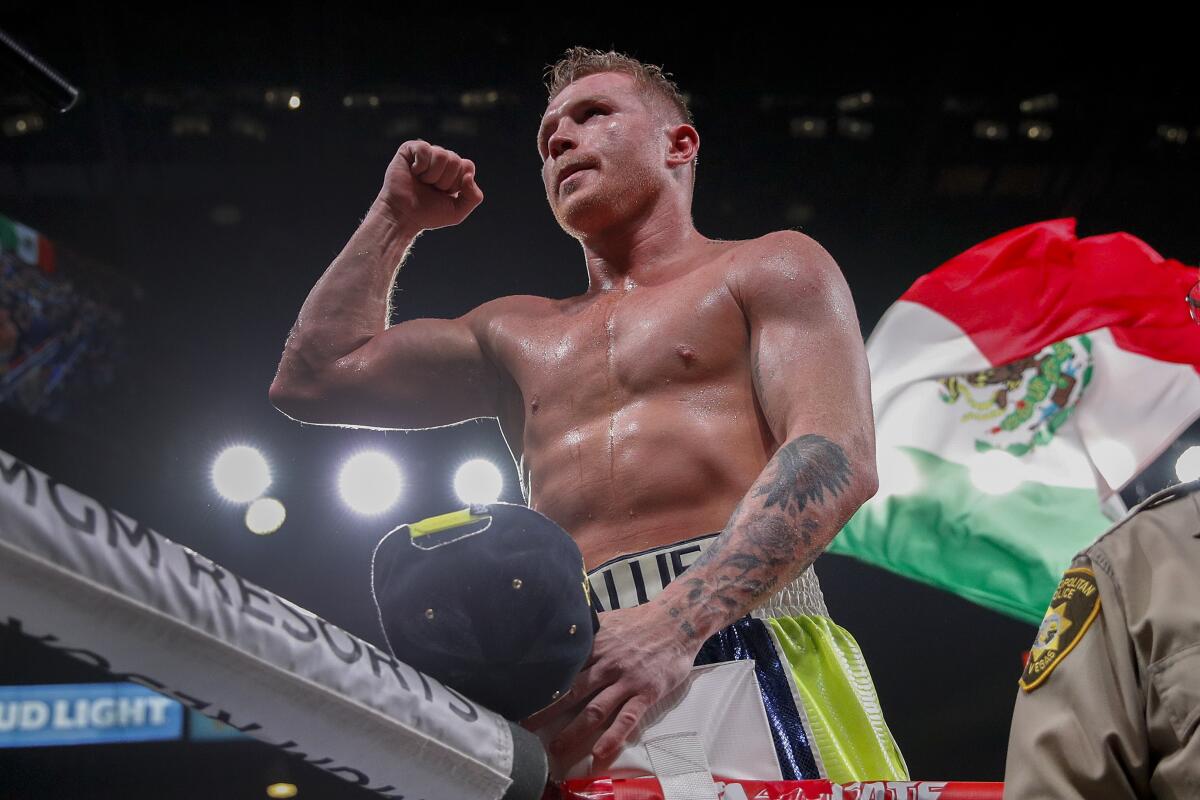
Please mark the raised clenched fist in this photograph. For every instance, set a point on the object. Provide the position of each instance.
(428, 187)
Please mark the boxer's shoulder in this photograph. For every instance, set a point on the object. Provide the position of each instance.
(786, 270)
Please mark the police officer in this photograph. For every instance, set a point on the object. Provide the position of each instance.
(1109, 702)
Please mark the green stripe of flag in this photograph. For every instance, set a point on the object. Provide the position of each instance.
(1005, 552)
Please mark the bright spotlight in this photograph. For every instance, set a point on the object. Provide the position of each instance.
(370, 483)
(282, 790)
(478, 482)
(995, 472)
(897, 473)
(240, 474)
(1187, 468)
(1115, 460)
(265, 515)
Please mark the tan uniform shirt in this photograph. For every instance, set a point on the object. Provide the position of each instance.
(1115, 702)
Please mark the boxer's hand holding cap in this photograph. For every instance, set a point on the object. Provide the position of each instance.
(492, 601)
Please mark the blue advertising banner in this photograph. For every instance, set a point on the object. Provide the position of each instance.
(201, 729)
(87, 713)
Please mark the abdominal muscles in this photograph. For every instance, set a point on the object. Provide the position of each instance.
(655, 472)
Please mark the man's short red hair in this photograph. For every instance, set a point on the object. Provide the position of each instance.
(579, 62)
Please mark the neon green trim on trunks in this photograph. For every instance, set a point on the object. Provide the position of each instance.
(839, 700)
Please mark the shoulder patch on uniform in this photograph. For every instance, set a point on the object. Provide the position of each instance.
(1075, 604)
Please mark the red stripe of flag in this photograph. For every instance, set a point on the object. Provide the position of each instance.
(1032, 286)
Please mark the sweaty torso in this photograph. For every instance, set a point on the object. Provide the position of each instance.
(633, 419)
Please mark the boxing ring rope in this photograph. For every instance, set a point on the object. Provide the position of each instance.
(101, 587)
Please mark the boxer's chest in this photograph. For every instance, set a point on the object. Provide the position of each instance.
(631, 344)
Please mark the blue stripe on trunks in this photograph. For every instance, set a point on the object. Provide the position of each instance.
(748, 638)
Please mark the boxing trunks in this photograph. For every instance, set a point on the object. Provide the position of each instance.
(816, 690)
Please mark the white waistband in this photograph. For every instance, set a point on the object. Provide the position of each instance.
(639, 577)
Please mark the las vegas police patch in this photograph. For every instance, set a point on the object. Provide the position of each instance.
(1075, 604)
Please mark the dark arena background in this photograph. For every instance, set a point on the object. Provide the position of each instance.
(217, 161)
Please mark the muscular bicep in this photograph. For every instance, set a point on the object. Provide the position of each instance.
(808, 361)
(421, 373)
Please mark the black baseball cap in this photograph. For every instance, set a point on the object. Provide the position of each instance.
(491, 600)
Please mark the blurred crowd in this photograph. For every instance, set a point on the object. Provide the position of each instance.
(57, 344)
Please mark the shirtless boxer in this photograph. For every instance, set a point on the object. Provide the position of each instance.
(698, 385)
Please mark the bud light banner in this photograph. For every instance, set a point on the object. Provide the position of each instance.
(87, 713)
(202, 729)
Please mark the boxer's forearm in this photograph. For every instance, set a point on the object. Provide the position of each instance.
(801, 500)
(350, 303)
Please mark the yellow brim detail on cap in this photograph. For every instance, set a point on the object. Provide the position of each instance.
(444, 522)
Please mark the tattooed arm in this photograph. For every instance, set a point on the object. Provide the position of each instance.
(809, 371)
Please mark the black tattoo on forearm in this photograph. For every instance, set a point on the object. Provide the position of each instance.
(751, 556)
(806, 468)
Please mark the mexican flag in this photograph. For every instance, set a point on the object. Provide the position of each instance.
(1017, 388)
(28, 245)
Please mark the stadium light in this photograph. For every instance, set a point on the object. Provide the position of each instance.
(370, 483)
(995, 472)
(478, 482)
(1036, 130)
(1187, 468)
(240, 474)
(265, 516)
